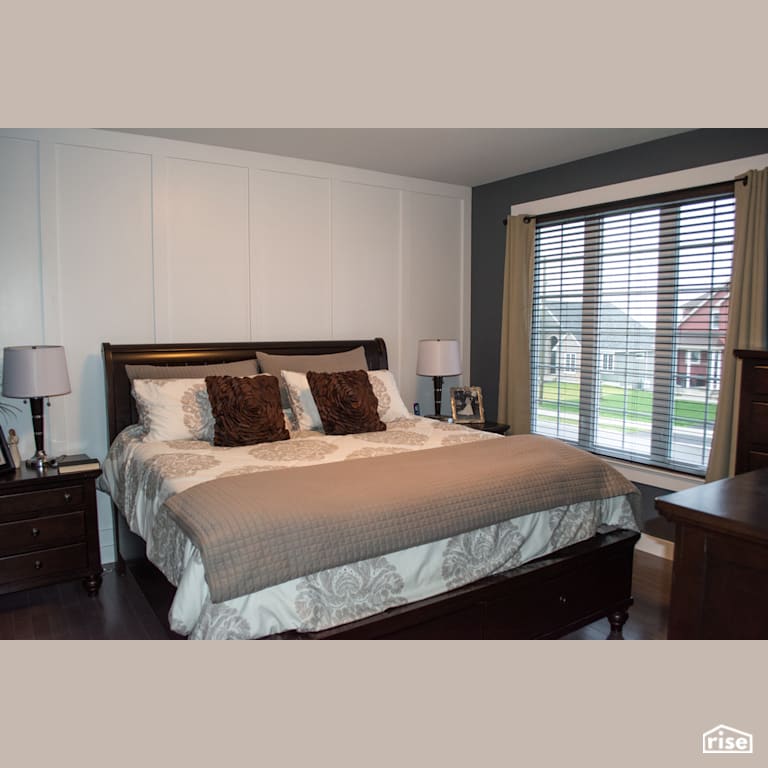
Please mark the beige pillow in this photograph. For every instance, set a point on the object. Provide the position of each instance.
(353, 360)
(248, 367)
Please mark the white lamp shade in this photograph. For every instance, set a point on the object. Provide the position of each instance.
(438, 357)
(35, 372)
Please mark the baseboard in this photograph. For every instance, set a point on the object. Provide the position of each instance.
(653, 546)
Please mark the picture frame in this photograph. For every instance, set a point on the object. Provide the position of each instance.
(467, 405)
(6, 460)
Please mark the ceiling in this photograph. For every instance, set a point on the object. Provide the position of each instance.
(465, 156)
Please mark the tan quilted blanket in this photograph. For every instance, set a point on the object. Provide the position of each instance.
(261, 529)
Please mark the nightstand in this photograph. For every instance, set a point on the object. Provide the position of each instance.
(490, 426)
(49, 529)
(484, 426)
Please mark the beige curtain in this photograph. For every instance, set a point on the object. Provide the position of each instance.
(747, 311)
(515, 358)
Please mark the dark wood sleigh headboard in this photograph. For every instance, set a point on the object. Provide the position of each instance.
(121, 408)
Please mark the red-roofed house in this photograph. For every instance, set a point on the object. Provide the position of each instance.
(701, 340)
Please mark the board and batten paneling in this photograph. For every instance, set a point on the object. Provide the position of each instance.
(104, 254)
(124, 238)
(206, 252)
(367, 238)
(19, 241)
(21, 304)
(291, 274)
(434, 268)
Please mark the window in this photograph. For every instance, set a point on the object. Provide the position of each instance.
(642, 288)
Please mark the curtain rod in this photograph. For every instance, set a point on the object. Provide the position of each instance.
(742, 179)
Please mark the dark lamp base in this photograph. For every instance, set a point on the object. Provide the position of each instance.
(41, 460)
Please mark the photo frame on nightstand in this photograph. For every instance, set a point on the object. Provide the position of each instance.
(467, 405)
(6, 461)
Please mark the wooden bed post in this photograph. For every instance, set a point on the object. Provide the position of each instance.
(617, 620)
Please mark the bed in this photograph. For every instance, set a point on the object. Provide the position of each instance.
(516, 573)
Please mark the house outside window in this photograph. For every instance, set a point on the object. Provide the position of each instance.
(641, 290)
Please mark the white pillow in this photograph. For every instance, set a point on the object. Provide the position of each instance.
(179, 409)
(302, 403)
(174, 409)
(390, 403)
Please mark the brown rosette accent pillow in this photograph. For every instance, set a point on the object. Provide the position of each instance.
(346, 402)
(246, 410)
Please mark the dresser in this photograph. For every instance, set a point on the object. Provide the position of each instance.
(48, 529)
(720, 568)
(752, 439)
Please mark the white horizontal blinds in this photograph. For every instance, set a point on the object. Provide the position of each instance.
(630, 313)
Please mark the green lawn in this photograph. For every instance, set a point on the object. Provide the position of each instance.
(615, 402)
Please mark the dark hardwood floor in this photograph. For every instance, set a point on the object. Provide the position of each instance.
(65, 612)
(121, 611)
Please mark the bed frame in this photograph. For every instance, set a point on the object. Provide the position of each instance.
(545, 598)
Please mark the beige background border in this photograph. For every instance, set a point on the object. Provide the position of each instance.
(379, 64)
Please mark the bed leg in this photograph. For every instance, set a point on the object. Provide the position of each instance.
(617, 620)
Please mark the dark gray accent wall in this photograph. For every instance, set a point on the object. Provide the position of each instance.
(491, 203)
(651, 521)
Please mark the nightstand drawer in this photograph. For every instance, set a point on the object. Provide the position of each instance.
(41, 533)
(20, 504)
(40, 565)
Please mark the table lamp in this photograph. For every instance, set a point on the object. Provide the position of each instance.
(438, 358)
(34, 373)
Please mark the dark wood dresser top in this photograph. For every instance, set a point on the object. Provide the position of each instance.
(737, 506)
(753, 354)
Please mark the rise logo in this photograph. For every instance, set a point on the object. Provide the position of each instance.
(724, 740)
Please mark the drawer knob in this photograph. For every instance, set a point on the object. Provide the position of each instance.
(38, 565)
(35, 532)
(67, 496)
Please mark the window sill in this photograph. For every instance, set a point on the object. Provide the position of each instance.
(660, 478)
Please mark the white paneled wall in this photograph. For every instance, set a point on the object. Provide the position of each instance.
(20, 289)
(436, 268)
(291, 278)
(123, 238)
(206, 253)
(367, 264)
(103, 254)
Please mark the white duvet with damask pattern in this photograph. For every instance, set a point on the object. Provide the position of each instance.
(141, 475)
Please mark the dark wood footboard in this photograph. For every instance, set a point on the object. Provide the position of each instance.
(544, 599)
